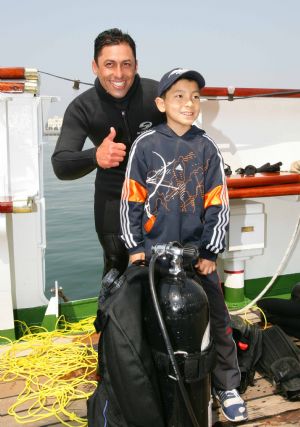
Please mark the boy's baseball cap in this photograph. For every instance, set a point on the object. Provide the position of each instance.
(172, 76)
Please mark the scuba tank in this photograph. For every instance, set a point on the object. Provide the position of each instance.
(177, 329)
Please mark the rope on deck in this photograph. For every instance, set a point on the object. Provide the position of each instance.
(57, 368)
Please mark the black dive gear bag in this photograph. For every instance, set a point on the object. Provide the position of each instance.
(248, 339)
(284, 313)
(124, 397)
(280, 362)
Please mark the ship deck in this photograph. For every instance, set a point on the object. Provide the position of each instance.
(265, 407)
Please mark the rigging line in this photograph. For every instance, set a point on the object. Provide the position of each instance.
(65, 78)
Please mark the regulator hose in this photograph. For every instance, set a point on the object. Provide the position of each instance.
(167, 341)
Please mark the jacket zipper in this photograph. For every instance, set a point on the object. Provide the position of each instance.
(123, 112)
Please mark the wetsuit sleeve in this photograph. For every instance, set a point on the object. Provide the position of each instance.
(216, 206)
(134, 195)
(69, 161)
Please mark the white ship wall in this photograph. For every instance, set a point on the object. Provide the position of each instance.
(257, 131)
(21, 154)
(252, 131)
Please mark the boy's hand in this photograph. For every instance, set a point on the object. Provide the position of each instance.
(137, 257)
(205, 266)
(110, 154)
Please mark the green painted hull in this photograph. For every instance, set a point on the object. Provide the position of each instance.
(74, 311)
(283, 285)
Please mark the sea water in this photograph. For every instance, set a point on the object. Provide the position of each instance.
(73, 254)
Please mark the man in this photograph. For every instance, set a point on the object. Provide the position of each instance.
(111, 114)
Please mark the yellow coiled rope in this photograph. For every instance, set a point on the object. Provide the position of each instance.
(255, 308)
(57, 368)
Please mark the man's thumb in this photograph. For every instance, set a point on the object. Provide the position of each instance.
(112, 134)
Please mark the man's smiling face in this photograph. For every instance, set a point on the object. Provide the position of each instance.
(116, 68)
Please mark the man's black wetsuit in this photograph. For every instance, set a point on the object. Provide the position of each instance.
(91, 115)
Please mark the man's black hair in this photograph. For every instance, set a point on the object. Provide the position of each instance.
(112, 37)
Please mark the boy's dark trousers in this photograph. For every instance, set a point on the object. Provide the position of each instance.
(226, 374)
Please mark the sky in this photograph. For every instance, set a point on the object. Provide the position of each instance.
(232, 43)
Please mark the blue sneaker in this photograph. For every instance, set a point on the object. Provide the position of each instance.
(233, 406)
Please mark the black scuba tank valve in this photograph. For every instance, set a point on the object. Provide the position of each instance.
(177, 328)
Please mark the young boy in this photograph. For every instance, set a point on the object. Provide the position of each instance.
(175, 190)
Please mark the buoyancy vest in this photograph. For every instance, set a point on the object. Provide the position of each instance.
(284, 313)
(280, 362)
(127, 394)
(248, 339)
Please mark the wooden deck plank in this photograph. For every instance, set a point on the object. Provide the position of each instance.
(10, 389)
(261, 388)
(265, 408)
(278, 421)
(78, 407)
(261, 408)
(9, 394)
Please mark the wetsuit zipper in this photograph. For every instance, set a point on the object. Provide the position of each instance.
(124, 117)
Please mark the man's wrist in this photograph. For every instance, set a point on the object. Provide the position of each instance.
(95, 157)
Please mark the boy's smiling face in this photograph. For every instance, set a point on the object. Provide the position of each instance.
(181, 103)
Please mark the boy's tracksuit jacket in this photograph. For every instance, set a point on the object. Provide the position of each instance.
(175, 190)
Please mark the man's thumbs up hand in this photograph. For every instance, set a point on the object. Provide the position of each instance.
(110, 154)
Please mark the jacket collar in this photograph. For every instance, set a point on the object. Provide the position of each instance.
(166, 130)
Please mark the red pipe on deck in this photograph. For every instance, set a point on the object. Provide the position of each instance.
(6, 207)
(18, 73)
(12, 87)
(12, 73)
(260, 179)
(264, 191)
(269, 184)
(244, 91)
(18, 87)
